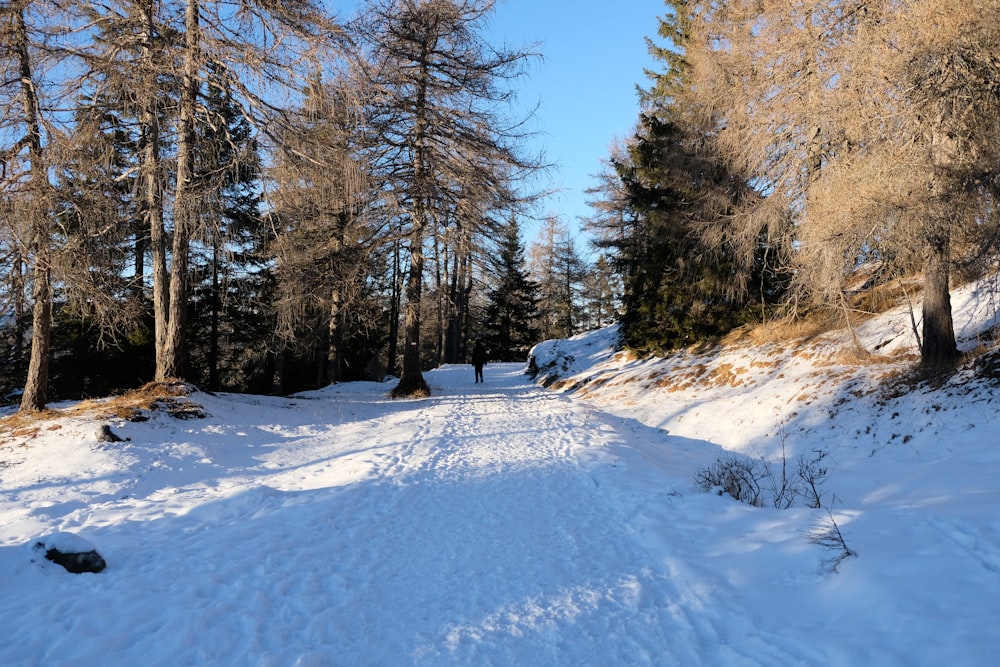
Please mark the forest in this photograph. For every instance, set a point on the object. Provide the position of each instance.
(807, 160)
(258, 196)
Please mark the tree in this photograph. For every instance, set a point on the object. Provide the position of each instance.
(873, 124)
(602, 291)
(512, 312)
(940, 82)
(25, 170)
(159, 65)
(129, 84)
(435, 104)
(66, 175)
(325, 242)
(678, 289)
(612, 222)
(260, 39)
(559, 271)
(229, 265)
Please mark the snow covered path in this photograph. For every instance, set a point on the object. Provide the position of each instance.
(492, 524)
(475, 527)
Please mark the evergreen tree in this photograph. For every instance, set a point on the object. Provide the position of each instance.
(676, 292)
(226, 320)
(680, 286)
(559, 271)
(512, 312)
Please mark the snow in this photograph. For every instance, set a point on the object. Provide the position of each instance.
(507, 524)
(64, 542)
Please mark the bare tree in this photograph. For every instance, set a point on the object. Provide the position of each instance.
(173, 52)
(436, 105)
(925, 144)
(559, 272)
(611, 221)
(25, 172)
(256, 49)
(56, 176)
(321, 199)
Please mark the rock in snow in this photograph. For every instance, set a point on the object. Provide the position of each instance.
(71, 551)
(105, 434)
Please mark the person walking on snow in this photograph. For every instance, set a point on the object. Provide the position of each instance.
(479, 360)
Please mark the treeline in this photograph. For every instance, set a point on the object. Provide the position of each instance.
(256, 196)
(789, 154)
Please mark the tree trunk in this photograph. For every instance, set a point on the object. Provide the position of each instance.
(36, 388)
(441, 298)
(279, 379)
(153, 197)
(465, 312)
(454, 326)
(321, 356)
(216, 306)
(184, 204)
(394, 308)
(939, 349)
(335, 351)
(20, 307)
(411, 382)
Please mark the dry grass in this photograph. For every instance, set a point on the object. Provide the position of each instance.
(172, 396)
(885, 296)
(20, 423)
(785, 330)
(863, 305)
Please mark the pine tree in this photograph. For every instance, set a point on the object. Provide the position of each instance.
(512, 311)
(670, 285)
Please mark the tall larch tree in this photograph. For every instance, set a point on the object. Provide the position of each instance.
(325, 242)
(557, 268)
(871, 125)
(25, 172)
(256, 49)
(439, 106)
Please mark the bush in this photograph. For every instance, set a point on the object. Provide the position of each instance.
(754, 481)
(734, 476)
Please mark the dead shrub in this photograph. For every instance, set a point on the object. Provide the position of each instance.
(734, 476)
(757, 483)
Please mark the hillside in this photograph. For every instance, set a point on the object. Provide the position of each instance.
(794, 385)
(503, 523)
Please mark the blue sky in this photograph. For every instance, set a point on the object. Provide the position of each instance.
(594, 56)
(594, 53)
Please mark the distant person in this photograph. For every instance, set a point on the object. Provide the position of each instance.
(479, 359)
